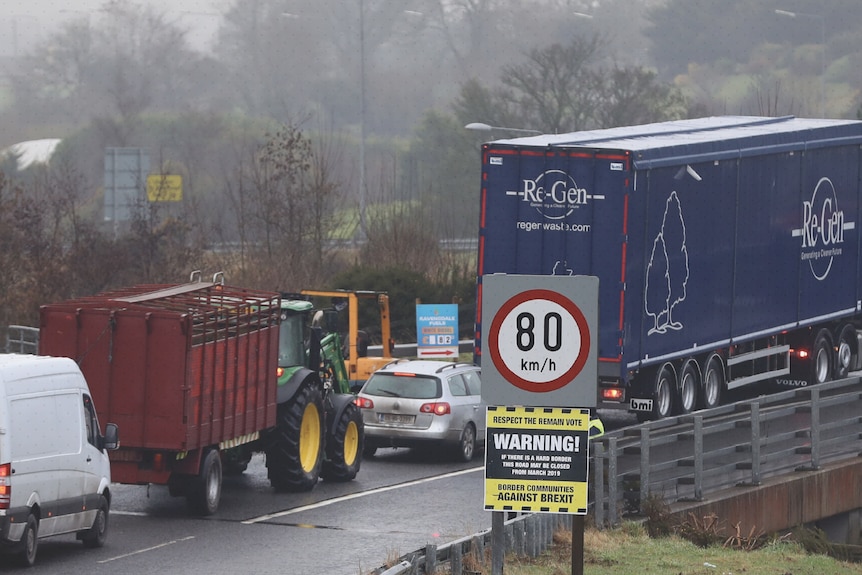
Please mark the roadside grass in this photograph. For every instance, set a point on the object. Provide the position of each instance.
(630, 550)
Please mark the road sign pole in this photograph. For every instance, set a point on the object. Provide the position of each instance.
(577, 545)
(498, 542)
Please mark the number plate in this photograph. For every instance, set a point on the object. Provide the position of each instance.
(640, 404)
(396, 418)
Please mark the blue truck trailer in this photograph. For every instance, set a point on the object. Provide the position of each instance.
(727, 249)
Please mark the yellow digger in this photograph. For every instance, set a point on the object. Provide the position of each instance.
(359, 364)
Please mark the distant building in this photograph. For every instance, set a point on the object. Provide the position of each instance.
(31, 152)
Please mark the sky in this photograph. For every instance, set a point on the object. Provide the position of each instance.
(24, 23)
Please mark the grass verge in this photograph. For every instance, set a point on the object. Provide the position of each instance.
(629, 550)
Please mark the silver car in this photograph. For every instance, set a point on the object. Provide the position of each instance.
(410, 403)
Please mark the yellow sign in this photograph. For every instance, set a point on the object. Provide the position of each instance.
(165, 188)
(536, 459)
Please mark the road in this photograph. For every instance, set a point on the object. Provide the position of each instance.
(400, 501)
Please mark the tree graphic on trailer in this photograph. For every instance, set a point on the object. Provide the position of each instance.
(667, 271)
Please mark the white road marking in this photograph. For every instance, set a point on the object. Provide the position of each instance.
(358, 495)
(175, 541)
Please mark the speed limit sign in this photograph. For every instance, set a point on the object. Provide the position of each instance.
(539, 333)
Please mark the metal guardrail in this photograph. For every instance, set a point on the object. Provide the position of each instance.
(22, 339)
(525, 535)
(687, 457)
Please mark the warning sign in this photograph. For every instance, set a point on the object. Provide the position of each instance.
(536, 459)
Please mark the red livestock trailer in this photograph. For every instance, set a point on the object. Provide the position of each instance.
(187, 372)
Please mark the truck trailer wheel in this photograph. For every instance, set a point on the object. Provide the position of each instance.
(713, 382)
(204, 491)
(665, 386)
(845, 353)
(821, 359)
(295, 449)
(344, 447)
(689, 384)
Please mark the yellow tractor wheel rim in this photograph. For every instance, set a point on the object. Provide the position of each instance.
(309, 438)
(351, 443)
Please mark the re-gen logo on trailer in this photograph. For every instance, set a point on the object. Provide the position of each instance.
(554, 194)
(823, 227)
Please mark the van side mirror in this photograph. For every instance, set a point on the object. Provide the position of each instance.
(111, 440)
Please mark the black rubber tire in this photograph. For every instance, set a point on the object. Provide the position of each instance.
(713, 383)
(821, 359)
(466, 448)
(26, 557)
(686, 400)
(664, 392)
(845, 352)
(96, 535)
(284, 452)
(204, 491)
(345, 446)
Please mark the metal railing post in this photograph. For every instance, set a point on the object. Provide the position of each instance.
(755, 443)
(598, 481)
(612, 481)
(698, 457)
(644, 487)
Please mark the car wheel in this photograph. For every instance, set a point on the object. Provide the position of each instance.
(467, 443)
(98, 533)
(29, 542)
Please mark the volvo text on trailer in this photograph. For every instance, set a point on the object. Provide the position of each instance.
(727, 249)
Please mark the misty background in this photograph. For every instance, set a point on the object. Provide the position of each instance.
(322, 143)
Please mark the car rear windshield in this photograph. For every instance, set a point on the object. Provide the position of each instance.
(394, 385)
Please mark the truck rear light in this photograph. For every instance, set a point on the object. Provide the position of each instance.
(364, 403)
(158, 462)
(612, 394)
(437, 408)
(5, 485)
(279, 372)
(800, 353)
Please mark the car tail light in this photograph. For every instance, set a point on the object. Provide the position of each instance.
(5, 485)
(437, 408)
(364, 403)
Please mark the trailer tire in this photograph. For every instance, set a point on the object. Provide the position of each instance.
(96, 535)
(295, 451)
(846, 353)
(713, 382)
(821, 359)
(204, 491)
(344, 447)
(689, 386)
(664, 391)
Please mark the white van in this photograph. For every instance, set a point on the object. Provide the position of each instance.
(54, 470)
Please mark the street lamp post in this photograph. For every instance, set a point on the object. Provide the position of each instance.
(482, 127)
(789, 14)
(362, 183)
